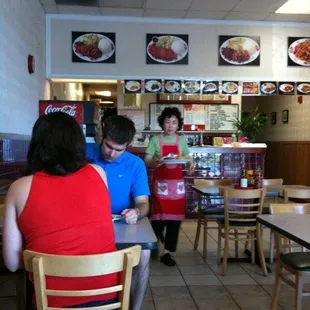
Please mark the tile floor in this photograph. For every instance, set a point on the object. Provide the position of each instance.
(195, 283)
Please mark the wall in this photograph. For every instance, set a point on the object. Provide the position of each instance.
(22, 24)
(203, 48)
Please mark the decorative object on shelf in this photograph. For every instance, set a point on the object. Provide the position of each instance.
(31, 64)
(273, 118)
(285, 114)
(250, 125)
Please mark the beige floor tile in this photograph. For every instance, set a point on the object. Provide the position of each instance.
(8, 285)
(7, 303)
(216, 304)
(201, 280)
(148, 305)
(171, 293)
(233, 269)
(148, 294)
(199, 269)
(256, 303)
(189, 261)
(175, 304)
(246, 291)
(159, 269)
(242, 279)
(156, 281)
(208, 292)
(261, 279)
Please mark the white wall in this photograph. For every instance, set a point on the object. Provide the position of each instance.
(203, 48)
(22, 32)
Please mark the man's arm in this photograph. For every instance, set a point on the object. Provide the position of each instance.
(140, 210)
(142, 203)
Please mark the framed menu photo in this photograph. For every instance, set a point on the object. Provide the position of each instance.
(230, 87)
(250, 88)
(153, 86)
(93, 47)
(132, 86)
(167, 49)
(286, 88)
(210, 87)
(268, 88)
(191, 87)
(172, 86)
(298, 51)
(303, 88)
(239, 50)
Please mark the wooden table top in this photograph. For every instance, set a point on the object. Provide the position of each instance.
(293, 226)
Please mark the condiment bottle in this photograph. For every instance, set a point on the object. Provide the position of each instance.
(258, 177)
(243, 179)
(250, 176)
(233, 138)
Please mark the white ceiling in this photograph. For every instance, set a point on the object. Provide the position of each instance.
(255, 10)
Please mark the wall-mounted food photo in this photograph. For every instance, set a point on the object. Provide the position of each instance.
(268, 88)
(303, 88)
(298, 51)
(93, 47)
(230, 87)
(132, 86)
(286, 88)
(239, 51)
(167, 49)
(191, 87)
(210, 87)
(172, 86)
(153, 86)
(250, 88)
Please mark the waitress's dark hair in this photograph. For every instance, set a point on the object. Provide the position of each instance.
(57, 145)
(167, 113)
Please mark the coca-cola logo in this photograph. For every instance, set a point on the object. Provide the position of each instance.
(69, 109)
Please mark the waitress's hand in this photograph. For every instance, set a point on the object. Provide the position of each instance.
(130, 216)
(156, 163)
(190, 168)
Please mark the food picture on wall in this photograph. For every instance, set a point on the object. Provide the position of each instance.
(93, 47)
(303, 88)
(153, 86)
(298, 51)
(166, 49)
(191, 87)
(268, 88)
(286, 88)
(230, 87)
(172, 86)
(210, 87)
(132, 86)
(239, 50)
(250, 88)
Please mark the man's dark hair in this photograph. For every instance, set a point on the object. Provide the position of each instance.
(168, 113)
(119, 129)
(57, 145)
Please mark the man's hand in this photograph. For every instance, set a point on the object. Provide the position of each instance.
(131, 216)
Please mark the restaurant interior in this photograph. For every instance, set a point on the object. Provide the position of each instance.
(43, 66)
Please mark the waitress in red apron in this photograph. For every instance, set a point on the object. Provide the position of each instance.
(168, 186)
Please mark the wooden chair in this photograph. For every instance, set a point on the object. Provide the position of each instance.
(211, 211)
(296, 193)
(241, 208)
(296, 263)
(82, 266)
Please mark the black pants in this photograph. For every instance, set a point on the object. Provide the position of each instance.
(172, 233)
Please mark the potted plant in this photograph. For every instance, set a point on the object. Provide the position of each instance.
(250, 125)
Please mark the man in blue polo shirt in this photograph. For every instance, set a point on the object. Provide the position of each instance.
(128, 187)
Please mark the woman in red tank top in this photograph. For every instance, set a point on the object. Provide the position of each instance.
(61, 207)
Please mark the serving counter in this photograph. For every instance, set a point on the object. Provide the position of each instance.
(216, 162)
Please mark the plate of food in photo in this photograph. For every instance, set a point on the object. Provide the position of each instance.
(299, 52)
(167, 49)
(209, 87)
(153, 86)
(93, 47)
(230, 87)
(133, 86)
(304, 88)
(239, 50)
(250, 88)
(268, 88)
(191, 87)
(172, 86)
(286, 88)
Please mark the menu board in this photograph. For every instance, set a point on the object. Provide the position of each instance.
(215, 117)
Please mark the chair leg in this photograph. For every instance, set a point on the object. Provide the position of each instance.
(236, 244)
(261, 250)
(225, 255)
(276, 288)
(197, 233)
(219, 243)
(253, 252)
(205, 236)
(298, 292)
(271, 248)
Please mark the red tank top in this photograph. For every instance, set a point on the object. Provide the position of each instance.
(70, 215)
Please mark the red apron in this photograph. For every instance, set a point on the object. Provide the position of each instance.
(168, 186)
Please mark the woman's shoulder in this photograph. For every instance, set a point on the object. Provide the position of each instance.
(100, 171)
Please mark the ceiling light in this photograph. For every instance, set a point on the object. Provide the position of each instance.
(105, 93)
(60, 80)
(295, 7)
(107, 102)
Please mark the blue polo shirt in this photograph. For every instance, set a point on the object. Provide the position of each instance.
(127, 179)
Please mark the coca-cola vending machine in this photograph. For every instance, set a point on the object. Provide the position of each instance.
(82, 111)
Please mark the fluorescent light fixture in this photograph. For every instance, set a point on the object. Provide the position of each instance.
(105, 93)
(295, 7)
(107, 102)
(61, 80)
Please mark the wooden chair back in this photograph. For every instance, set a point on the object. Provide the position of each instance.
(1, 210)
(289, 208)
(272, 182)
(243, 205)
(296, 193)
(82, 266)
(213, 184)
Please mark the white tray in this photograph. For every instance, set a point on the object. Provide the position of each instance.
(173, 161)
